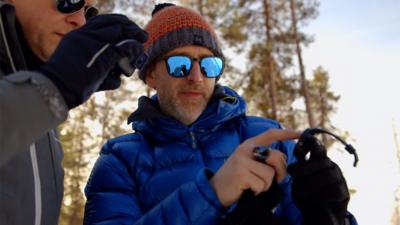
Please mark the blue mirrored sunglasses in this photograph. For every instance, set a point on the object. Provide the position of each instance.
(72, 6)
(180, 65)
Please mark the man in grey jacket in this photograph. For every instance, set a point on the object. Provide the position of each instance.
(52, 58)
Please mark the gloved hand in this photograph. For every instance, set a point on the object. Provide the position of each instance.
(319, 189)
(256, 210)
(86, 59)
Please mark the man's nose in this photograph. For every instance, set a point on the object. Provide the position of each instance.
(77, 19)
(195, 73)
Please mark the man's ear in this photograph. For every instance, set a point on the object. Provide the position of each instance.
(150, 80)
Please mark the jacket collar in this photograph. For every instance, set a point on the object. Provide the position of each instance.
(148, 119)
(12, 58)
(147, 109)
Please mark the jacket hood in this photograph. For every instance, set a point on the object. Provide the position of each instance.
(148, 119)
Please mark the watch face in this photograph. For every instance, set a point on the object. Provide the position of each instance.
(261, 153)
(75, 1)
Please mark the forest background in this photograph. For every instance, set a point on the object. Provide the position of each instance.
(306, 63)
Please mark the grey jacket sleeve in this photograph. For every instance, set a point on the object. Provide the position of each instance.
(30, 105)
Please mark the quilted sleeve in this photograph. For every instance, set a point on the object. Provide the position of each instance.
(112, 198)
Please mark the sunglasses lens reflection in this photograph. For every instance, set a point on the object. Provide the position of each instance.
(180, 66)
(212, 66)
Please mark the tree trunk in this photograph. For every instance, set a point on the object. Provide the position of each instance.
(201, 6)
(270, 71)
(303, 80)
(396, 212)
(323, 119)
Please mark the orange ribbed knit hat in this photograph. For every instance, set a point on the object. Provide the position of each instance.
(174, 26)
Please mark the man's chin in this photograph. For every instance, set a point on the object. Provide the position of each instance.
(51, 46)
(47, 53)
(186, 112)
(191, 114)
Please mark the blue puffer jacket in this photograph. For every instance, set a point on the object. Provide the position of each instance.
(157, 175)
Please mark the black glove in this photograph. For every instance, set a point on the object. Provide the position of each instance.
(87, 59)
(256, 210)
(319, 189)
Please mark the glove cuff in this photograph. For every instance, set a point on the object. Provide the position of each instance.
(70, 100)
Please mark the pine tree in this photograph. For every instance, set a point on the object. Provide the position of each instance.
(323, 102)
(298, 7)
(265, 28)
(77, 140)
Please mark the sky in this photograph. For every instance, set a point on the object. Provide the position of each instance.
(358, 43)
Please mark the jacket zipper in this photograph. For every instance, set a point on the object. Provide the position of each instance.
(32, 148)
(194, 142)
(36, 177)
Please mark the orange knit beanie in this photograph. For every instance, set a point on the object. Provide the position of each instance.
(174, 26)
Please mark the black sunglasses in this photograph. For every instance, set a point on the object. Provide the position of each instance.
(72, 6)
(180, 65)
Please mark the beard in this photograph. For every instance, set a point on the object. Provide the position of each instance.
(184, 109)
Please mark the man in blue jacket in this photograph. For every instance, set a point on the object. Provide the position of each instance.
(190, 158)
